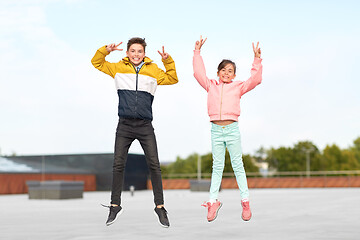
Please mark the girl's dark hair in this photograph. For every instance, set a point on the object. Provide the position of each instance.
(225, 62)
(136, 40)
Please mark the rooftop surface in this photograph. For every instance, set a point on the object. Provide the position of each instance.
(323, 213)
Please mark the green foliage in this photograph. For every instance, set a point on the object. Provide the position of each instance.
(336, 159)
(189, 165)
(350, 161)
(249, 164)
(287, 159)
(356, 149)
(282, 159)
(206, 163)
(331, 159)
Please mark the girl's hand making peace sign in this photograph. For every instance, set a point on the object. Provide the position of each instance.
(199, 44)
(112, 47)
(257, 51)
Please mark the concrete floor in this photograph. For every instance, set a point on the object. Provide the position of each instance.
(330, 213)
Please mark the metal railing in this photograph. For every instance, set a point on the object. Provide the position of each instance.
(270, 174)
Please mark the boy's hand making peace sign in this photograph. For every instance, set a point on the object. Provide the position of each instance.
(112, 47)
(257, 51)
(163, 54)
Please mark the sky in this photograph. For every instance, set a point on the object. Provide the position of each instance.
(53, 101)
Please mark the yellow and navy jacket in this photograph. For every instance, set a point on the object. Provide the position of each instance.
(136, 89)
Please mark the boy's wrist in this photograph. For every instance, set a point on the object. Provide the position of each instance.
(167, 59)
(104, 50)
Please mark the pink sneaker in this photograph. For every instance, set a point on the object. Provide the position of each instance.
(213, 209)
(246, 213)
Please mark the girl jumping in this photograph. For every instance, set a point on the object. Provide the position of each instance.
(223, 104)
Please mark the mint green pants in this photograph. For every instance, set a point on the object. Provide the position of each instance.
(223, 137)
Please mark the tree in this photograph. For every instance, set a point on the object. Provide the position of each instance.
(356, 149)
(260, 155)
(332, 158)
(189, 165)
(293, 159)
(350, 161)
(282, 159)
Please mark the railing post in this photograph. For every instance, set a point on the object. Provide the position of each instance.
(199, 167)
(42, 168)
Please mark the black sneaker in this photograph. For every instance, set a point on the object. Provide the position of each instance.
(113, 214)
(161, 213)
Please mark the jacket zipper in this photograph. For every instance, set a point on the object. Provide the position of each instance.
(136, 87)
(222, 87)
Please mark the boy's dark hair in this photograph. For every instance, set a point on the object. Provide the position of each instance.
(225, 62)
(136, 40)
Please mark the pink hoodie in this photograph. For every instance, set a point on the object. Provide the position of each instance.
(224, 98)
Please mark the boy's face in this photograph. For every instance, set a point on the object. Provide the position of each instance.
(227, 74)
(136, 53)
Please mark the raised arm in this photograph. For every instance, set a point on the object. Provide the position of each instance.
(169, 77)
(198, 66)
(256, 72)
(99, 62)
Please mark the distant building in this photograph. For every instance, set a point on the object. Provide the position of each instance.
(136, 171)
(7, 165)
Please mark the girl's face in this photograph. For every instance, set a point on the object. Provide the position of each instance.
(227, 74)
(136, 53)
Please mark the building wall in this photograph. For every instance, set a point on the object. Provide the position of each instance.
(15, 183)
(273, 182)
(99, 165)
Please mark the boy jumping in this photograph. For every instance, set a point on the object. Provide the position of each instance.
(136, 79)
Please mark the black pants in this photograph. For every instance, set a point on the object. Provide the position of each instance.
(127, 131)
